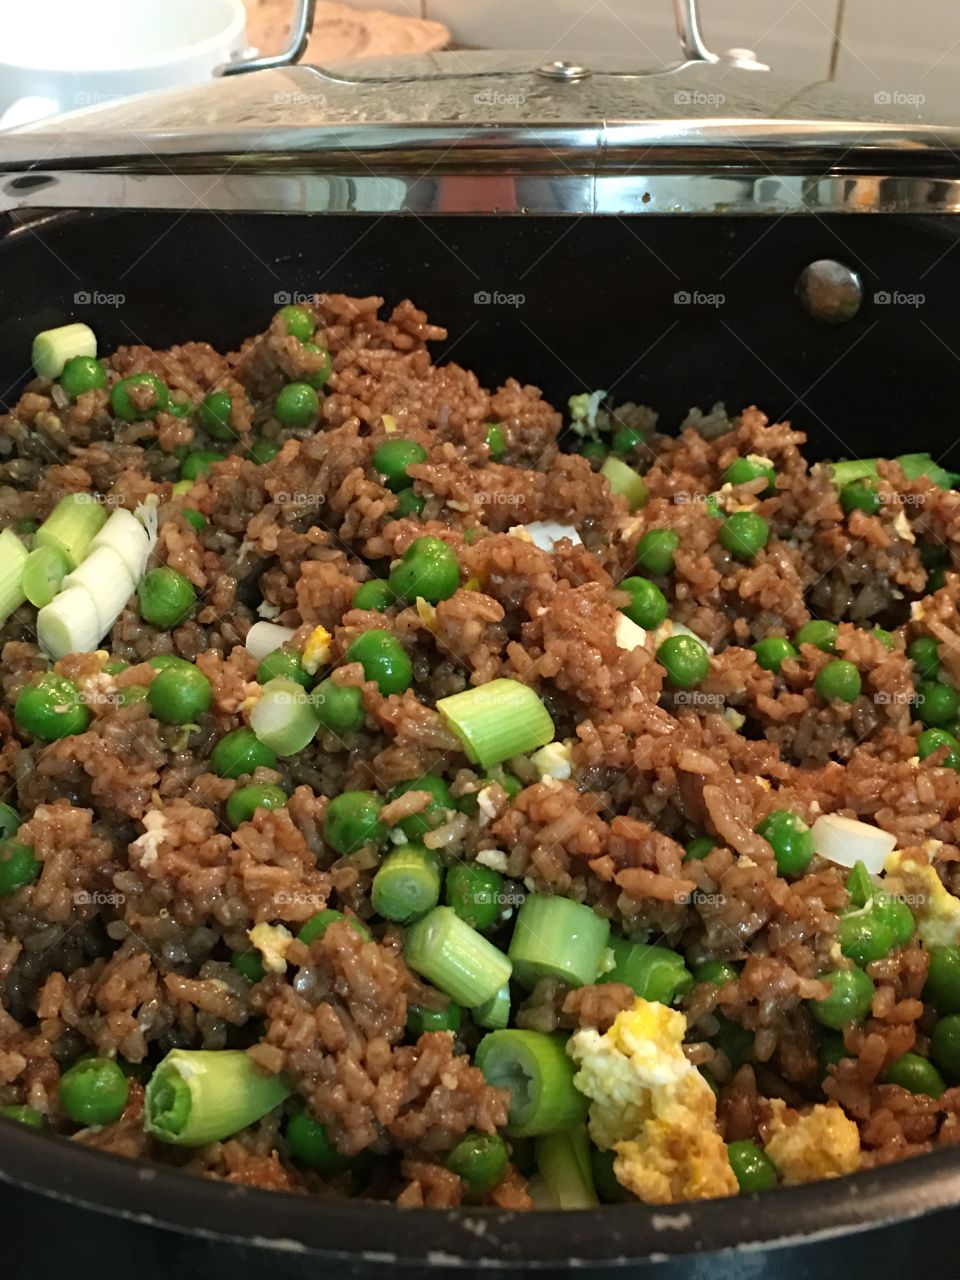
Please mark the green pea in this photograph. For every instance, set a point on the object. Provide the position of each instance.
(849, 999)
(82, 373)
(716, 971)
(308, 1143)
(320, 922)
(945, 1046)
(864, 937)
(51, 708)
(393, 457)
(132, 694)
(753, 1168)
(375, 595)
(838, 681)
(245, 801)
(339, 707)
(297, 405)
(743, 470)
(163, 661)
(468, 803)
(18, 866)
(860, 495)
(936, 580)
(831, 1051)
(352, 819)
(421, 1019)
(384, 660)
(912, 1072)
(409, 505)
(924, 653)
(896, 915)
(429, 568)
(942, 988)
(743, 534)
(474, 891)
(820, 633)
(884, 636)
(215, 413)
(29, 1116)
(263, 451)
(480, 1160)
(165, 597)
(685, 661)
(699, 847)
(626, 439)
(932, 740)
(123, 406)
(194, 519)
(94, 1091)
(180, 695)
(654, 972)
(320, 377)
(198, 462)
(791, 840)
(655, 551)
(240, 752)
(249, 964)
(932, 554)
(937, 704)
(298, 322)
(496, 440)
(595, 451)
(648, 604)
(9, 821)
(285, 663)
(734, 1041)
(773, 651)
(416, 826)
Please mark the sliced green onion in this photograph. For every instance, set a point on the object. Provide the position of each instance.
(182, 486)
(43, 571)
(539, 1074)
(495, 1012)
(266, 637)
(71, 526)
(70, 623)
(54, 347)
(557, 938)
(13, 558)
(124, 534)
(196, 1096)
(105, 575)
(846, 472)
(914, 465)
(624, 480)
(497, 720)
(656, 973)
(564, 1163)
(459, 961)
(284, 718)
(407, 883)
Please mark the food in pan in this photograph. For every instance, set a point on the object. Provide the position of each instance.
(414, 793)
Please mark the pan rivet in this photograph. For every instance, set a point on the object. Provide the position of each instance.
(563, 71)
(830, 291)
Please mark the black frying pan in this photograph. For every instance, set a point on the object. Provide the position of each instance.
(598, 310)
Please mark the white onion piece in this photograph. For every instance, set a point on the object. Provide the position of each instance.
(678, 629)
(544, 533)
(846, 841)
(265, 637)
(124, 534)
(70, 623)
(107, 578)
(628, 635)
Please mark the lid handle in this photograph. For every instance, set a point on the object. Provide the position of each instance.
(687, 13)
(300, 27)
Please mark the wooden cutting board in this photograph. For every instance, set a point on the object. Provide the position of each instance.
(342, 32)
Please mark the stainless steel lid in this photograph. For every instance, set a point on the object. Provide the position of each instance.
(495, 132)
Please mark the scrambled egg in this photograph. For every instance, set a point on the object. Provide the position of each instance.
(936, 911)
(271, 940)
(652, 1107)
(823, 1143)
(553, 760)
(317, 650)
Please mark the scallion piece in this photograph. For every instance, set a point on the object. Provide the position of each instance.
(70, 623)
(497, 720)
(407, 884)
(43, 571)
(851, 469)
(539, 1074)
(196, 1096)
(459, 961)
(105, 575)
(564, 1163)
(124, 534)
(284, 718)
(624, 480)
(71, 526)
(557, 938)
(656, 973)
(54, 347)
(495, 1012)
(13, 558)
